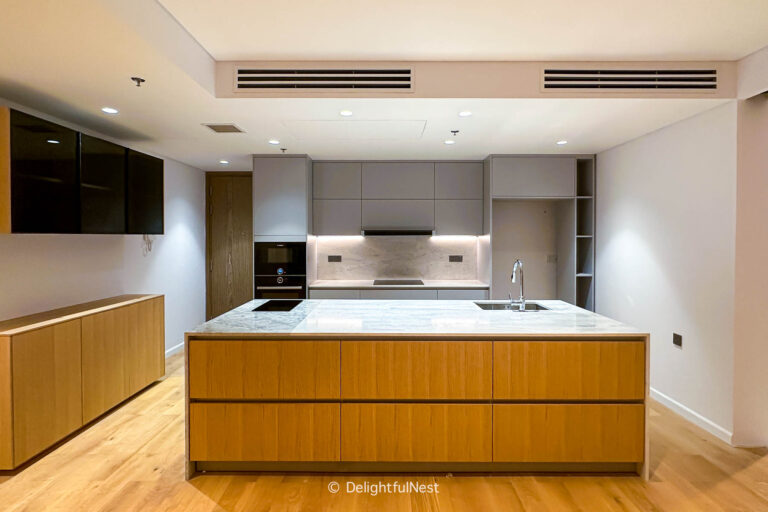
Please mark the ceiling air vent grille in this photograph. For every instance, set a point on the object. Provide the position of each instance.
(665, 79)
(250, 79)
(224, 128)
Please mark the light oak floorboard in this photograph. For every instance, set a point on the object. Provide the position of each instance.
(133, 460)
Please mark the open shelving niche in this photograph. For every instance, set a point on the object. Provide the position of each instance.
(585, 233)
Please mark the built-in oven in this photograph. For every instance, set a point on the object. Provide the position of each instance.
(280, 287)
(280, 270)
(280, 258)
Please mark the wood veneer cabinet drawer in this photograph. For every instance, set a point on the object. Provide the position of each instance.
(566, 370)
(263, 432)
(568, 432)
(263, 370)
(426, 370)
(416, 432)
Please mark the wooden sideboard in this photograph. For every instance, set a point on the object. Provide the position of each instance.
(61, 369)
(529, 404)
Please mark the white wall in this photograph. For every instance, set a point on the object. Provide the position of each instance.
(666, 215)
(176, 265)
(41, 272)
(751, 301)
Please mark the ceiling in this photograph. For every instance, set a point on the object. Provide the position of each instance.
(475, 30)
(69, 59)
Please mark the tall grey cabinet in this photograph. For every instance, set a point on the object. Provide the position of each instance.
(282, 198)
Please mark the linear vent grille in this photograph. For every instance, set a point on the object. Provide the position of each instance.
(255, 79)
(675, 79)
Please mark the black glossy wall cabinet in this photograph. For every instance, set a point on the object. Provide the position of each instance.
(57, 180)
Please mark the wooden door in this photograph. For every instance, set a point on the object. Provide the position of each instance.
(46, 387)
(229, 230)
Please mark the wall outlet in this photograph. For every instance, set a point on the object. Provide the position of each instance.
(455, 258)
(677, 340)
(336, 258)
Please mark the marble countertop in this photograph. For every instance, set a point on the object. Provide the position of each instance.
(359, 284)
(368, 318)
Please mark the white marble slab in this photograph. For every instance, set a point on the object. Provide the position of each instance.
(393, 317)
(429, 284)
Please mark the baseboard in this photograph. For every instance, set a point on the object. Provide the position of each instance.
(692, 416)
(174, 349)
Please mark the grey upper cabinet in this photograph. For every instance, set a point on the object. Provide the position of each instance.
(409, 213)
(458, 180)
(282, 208)
(459, 217)
(337, 180)
(337, 216)
(533, 177)
(398, 180)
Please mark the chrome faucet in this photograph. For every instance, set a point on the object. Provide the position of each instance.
(518, 265)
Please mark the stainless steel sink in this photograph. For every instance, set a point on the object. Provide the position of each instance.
(514, 307)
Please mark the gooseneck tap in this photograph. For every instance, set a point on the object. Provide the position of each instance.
(519, 266)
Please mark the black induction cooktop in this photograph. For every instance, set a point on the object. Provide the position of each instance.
(279, 305)
(396, 282)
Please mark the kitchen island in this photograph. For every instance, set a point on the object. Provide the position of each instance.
(376, 385)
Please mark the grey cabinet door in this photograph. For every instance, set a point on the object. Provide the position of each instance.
(459, 180)
(281, 196)
(398, 180)
(459, 217)
(336, 216)
(408, 213)
(334, 294)
(399, 294)
(462, 294)
(533, 177)
(337, 180)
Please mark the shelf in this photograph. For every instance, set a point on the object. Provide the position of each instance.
(583, 275)
(584, 236)
(584, 197)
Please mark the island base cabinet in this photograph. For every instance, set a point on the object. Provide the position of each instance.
(569, 370)
(264, 432)
(264, 370)
(416, 432)
(567, 433)
(416, 370)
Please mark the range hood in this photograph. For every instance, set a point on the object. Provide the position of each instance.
(411, 231)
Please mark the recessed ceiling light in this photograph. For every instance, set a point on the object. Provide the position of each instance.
(345, 113)
(450, 141)
(562, 142)
(109, 110)
(465, 113)
(274, 142)
(224, 162)
(52, 141)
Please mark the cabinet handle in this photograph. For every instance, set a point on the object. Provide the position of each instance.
(279, 287)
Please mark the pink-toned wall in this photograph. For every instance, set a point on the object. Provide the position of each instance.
(751, 276)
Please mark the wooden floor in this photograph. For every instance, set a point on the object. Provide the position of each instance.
(133, 459)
